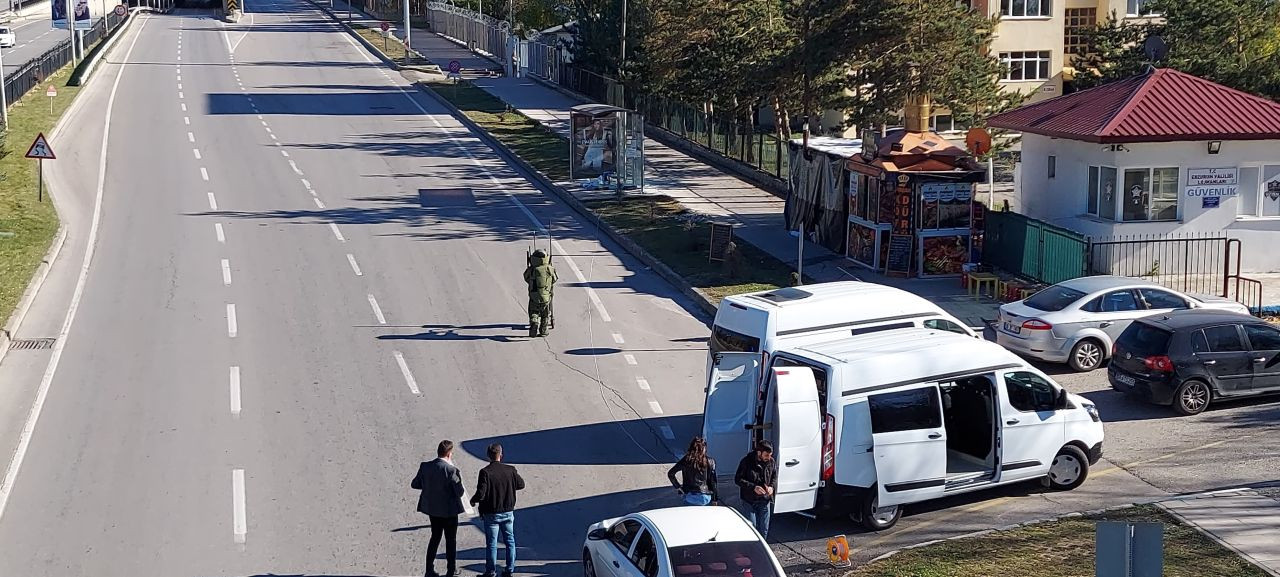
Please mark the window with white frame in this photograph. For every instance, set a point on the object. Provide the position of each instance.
(1149, 194)
(1101, 200)
(1028, 65)
(946, 123)
(1027, 8)
(1260, 190)
(1139, 8)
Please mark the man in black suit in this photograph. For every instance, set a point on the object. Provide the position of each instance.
(441, 500)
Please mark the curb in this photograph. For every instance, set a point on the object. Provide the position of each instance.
(1213, 536)
(83, 74)
(546, 185)
(1159, 502)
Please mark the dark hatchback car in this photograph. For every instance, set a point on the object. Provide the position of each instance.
(1188, 358)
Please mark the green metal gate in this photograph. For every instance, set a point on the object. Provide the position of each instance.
(1033, 248)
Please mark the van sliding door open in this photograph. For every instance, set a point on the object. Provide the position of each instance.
(730, 408)
(910, 444)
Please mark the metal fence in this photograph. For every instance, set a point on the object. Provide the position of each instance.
(481, 33)
(1194, 263)
(1034, 249)
(543, 57)
(34, 71)
(752, 145)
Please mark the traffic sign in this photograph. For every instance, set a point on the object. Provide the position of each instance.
(51, 91)
(386, 26)
(455, 66)
(41, 149)
(120, 10)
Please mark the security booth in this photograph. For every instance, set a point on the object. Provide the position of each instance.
(911, 205)
(606, 143)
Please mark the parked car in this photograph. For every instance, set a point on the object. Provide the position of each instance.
(1076, 321)
(678, 542)
(7, 38)
(1188, 359)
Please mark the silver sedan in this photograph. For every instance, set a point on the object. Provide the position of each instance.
(1077, 321)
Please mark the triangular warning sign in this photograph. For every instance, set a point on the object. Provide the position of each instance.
(41, 149)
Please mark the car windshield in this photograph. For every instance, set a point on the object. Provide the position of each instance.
(722, 559)
(1054, 298)
(1143, 340)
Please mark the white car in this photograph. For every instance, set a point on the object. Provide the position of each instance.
(7, 37)
(678, 542)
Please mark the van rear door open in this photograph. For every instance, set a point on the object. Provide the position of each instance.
(794, 424)
(910, 444)
(732, 390)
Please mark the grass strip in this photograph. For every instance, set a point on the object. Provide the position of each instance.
(1063, 548)
(390, 46)
(33, 223)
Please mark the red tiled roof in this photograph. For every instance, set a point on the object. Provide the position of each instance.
(1160, 106)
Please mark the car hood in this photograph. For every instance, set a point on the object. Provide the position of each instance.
(1219, 303)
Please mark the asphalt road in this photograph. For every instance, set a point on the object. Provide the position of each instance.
(35, 36)
(273, 293)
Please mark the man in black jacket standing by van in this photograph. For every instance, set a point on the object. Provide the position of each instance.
(757, 478)
(496, 497)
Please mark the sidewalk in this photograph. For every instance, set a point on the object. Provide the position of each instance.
(696, 185)
(1244, 520)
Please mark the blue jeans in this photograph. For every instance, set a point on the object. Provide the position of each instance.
(697, 499)
(503, 524)
(758, 513)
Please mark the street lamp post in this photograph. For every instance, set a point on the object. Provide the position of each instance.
(4, 100)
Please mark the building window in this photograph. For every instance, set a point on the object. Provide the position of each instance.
(1028, 8)
(1102, 192)
(946, 123)
(1053, 166)
(1029, 65)
(1260, 191)
(1078, 22)
(1150, 194)
(1139, 8)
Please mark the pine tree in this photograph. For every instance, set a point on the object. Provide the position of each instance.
(1114, 52)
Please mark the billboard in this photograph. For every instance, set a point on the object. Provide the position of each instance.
(80, 9)
(593, 145)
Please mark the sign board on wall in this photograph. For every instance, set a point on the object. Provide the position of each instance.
(1212, 182)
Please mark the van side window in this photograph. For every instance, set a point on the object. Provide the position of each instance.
(726, 341)
(1028, 392)
(945, 325)
(905, 410)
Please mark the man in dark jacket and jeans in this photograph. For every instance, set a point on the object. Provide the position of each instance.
(441, 500)
(496, 497)
(757, 478)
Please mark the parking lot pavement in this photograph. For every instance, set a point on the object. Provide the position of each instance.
(1150, 454)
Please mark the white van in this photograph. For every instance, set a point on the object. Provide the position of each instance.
(762, 322)
(867, 424)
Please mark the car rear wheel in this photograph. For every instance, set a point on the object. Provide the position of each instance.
(1069, 469)
(876, 518)
(1191, 397)
(1086, 356)
(588, 568)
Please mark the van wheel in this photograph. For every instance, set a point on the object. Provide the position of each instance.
(1086, 356)
(874, 518)
(1191, 397)
(1069, 469)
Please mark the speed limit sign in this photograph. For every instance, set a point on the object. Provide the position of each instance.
(120, 10)
(386, 26)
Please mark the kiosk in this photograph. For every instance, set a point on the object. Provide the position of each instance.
(606, 143)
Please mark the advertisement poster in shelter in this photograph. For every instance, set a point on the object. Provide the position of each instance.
(83, 19)
(593, 152)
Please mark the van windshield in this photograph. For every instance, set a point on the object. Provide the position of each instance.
(1054, 298)
(726, 341)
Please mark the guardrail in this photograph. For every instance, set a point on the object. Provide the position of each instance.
(34, 71)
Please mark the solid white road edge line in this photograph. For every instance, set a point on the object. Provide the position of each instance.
(217, 229)
(232, 327)
(235, 391)
(337, 233)
(408, 376)
(351, 258)
(377, 311)
(42, 392)
(239, 522)
(226, 272)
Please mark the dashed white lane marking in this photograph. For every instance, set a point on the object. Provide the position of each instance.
(351, 258)
(213, 202)
(408, 376)
(191, 136)
(196, 151)
(226, 272)
(217, 229)
(259, 117)
(631, 359)
(319, 205)
(643, 384)
(186, 120)
(181, 95)
(179, 86)
(284, 153)
(306, 184)
(337, 233)
(239, 523)
(667, 433)
(655, 407)
(179, 78)
(617, 338)
(273, 137)
(231, 321)
(184, 107)
(204, 173)
(377, 311)
(268, 129)
(264, 123)
(295, 168)
(235, 391)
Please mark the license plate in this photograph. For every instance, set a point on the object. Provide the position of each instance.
(1010, 327)
(1126, 379)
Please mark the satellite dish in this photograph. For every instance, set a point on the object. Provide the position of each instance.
(1155, 49)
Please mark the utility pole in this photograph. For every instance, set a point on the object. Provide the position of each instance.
(71, 29)
(622, 55)
(407, 30)
(4, 101)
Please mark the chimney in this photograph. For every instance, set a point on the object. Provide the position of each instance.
(917, 113)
